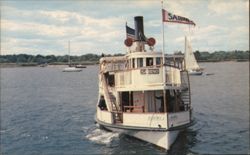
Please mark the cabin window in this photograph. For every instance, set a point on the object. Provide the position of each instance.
(111, 80)
(102, 104)
(158, 61)
(125, 100)
(170, 97)
(133, 63)
(149, 62)
(140, 62)
(126, 64)
(174, 101)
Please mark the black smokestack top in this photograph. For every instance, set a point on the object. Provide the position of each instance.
(139, 30)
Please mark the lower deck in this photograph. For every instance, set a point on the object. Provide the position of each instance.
(144, 121)
(157, 101)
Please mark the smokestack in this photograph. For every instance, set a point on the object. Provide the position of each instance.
(139, 30)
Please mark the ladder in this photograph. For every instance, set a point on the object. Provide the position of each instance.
(110, 98)
(185, 92)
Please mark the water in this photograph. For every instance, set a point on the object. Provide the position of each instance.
(47, 111)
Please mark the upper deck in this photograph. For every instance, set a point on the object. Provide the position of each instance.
(144, 71)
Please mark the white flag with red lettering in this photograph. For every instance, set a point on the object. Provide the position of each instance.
(169, 17)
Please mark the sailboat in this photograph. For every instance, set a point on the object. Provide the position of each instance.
(190, 62)
(70, 68)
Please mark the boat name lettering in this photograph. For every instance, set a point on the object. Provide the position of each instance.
(153, 71)
(173, 117)
(157, 118)
(149, 71)
(143, 71)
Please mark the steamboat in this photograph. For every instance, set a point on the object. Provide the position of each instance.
(144, 94)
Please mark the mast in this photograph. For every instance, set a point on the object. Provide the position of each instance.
(163, 48)
(69, 53)
(163, 65)
(185, 53)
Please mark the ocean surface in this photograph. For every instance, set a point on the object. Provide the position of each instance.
(50, 112)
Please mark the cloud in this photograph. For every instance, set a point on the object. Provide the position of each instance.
(17, 45)
(221, 7)
(62, 16)
(99, 26)
(202, 33)
(35, 28)
(86, 32)
(203, 38)
(181, 7)
(236, 17)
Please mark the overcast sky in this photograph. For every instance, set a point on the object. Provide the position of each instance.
(98, 26)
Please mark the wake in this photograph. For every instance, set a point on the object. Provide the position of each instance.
(101, 136)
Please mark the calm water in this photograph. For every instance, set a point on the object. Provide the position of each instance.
(47, 111)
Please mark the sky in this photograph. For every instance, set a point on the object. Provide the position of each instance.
(98, 26)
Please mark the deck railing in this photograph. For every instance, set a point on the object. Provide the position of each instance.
(133, 108)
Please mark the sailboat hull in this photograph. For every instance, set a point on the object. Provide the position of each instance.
(72, 69)
(195, 73)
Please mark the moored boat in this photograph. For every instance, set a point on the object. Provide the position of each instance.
(80, 66)
(71, 68)
(141, 95)
(190, 62)
(43, 65)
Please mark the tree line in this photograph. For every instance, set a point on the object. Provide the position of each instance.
(40, 59)
(222, 55)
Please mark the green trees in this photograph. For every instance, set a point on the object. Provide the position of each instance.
(197, 55)
(222, 55)
(39, 59)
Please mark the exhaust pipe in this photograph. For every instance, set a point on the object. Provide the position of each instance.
(139, 30)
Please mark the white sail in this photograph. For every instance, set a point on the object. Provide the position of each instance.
(191, 63)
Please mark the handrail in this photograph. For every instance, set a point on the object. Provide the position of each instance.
(189, 91)
(104, 84)
(133, 107)
(185, 81)
(169, 65)
(107, 95)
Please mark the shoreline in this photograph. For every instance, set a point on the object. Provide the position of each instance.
(12, 65)
(233, 60)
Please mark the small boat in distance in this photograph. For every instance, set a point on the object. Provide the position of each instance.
(43, 65)
(80, 66)
(190, 62)
(142, 96)
(71, 68)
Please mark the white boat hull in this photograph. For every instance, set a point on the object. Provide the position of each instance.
(163, 139)
(195, 72)
(72, 69)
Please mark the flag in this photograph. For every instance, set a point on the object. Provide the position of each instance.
(130, 32)
(169, 17)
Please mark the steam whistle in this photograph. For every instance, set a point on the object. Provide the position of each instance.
(139, 37)
(151, 41)
(128, 42)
